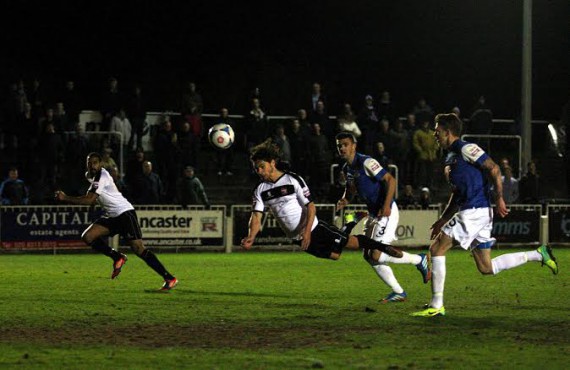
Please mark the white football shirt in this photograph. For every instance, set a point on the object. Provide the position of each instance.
(109, 197)
(287, 198)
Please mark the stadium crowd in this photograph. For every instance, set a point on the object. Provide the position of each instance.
(43, 141)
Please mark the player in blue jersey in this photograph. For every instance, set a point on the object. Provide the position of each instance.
(467, 220)
(376, 186)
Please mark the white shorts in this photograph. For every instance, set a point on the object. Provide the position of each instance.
(383, 229)
(471, 227)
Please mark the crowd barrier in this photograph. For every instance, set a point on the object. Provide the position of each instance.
(58, 228)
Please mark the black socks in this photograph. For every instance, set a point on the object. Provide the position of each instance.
(100, 246)
(153, 262)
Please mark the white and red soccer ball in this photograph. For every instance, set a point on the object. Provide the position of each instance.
(221, 135)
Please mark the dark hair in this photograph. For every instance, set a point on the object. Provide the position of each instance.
(265, 151)
(345, 135)
(94, 154)
(451, 122)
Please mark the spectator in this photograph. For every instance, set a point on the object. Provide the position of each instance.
(13, 190)
(189, 189)
(510, 186)
(191, 100)
(52, 152)
(280, 139)
(166, 153)
(529, 186)
(150, 190)
(317, 96)
(425, 198)
(347, 121)
(107, 162)
(481, 119)
(111, 102)
(225, 158)
(426, 147)
(62, 119)
(386, 109)
(136, 111)
(407, 200)
(412, 158)
(379, 154)
(37, 96)
(423, 111)
(76, 150)
(72, 101)
(122, 125)
(188, 145)
(380, 133)
(306, 126)
(134, 169)
(319, 161)
(398, 137)
(298, 142)
(257, 125)
(119, 181)
(368, 117)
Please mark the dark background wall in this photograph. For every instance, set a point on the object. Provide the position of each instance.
(448, 51)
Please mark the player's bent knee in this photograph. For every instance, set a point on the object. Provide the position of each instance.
(484, 270)
(334, 256)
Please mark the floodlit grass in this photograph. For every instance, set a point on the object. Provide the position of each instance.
(282, 310)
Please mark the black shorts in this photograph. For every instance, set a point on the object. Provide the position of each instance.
(126, 225)
(326, 239)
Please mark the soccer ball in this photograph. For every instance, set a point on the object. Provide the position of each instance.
(221, 135)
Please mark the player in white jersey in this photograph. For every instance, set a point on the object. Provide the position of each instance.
(467, 220)
(376, 187)
(120, 218)
(289, 199)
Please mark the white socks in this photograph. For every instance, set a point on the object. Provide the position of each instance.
(510, 260)
(413, 259)
(387, 275)
(437, 281)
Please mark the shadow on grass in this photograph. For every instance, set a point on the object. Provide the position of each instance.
(212, 293)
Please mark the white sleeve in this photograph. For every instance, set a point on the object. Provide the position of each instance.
(373, 168)
(303, 192)
(473, 153)
(257, 204)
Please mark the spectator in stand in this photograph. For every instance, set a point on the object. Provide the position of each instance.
(122, 125)
(111, 102)
(423, 111)
(321, 117)
(386, 109)
(379, 154)
(368, 118)
(119, 182)
(134, 171)
(72, 101)
(298, 142)
(407, 200)
(76, 150)
(347, 121)
(49, 118)
(317, 96)
(166, 153)
(456, 111)
(189, 189)
(510, 186)
(191, 100)
(426, 148)
(306, 126)
(319, 161)
(529, 186)
(150, 189)
(425, 198)
(37, 96)
(187, 145)
(257, 125)
(61, 118)
(398, 137)
(280, 139)
(379, 133)
(481, 119)
(13, 190)
(107, 161)
(51, 155)
(136, 111)
(27, 134)
(225, 158)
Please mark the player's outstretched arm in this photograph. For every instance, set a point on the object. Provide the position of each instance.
(254, 227)
(85, 200)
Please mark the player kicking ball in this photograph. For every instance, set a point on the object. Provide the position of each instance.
(289, 199)
(467, 220)
(120, 218)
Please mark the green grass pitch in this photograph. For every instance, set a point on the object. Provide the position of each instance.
(276, 310)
